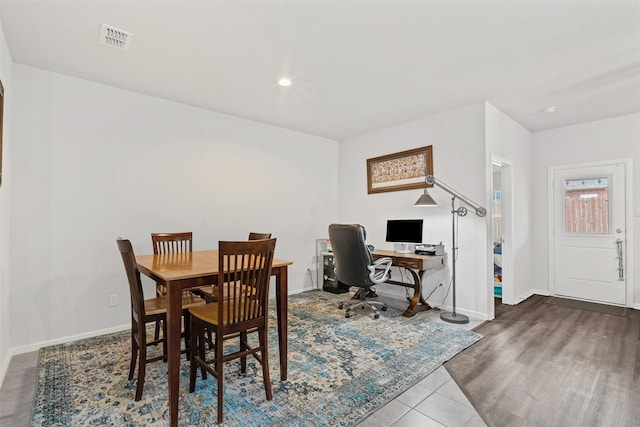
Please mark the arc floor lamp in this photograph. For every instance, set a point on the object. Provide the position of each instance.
(427, 200)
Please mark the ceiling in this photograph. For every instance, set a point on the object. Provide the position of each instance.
(356, 66)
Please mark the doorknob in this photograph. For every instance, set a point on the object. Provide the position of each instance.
(618, 230)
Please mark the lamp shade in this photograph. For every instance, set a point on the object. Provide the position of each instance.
(426, 200)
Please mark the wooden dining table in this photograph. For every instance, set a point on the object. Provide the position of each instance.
(179, 271)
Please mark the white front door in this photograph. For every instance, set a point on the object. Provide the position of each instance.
(589, 233)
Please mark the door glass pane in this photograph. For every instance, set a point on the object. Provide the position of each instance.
(587, 206)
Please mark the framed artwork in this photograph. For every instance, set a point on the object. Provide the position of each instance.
(405, 170)
(1, 120)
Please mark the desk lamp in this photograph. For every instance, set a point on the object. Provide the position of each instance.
(427, 200)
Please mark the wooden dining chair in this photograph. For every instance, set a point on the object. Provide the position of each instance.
(170, 243)
(246, 265)
(259, 236)
(145, 311)
(210, 293)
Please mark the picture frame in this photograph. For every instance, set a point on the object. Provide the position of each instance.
(405, 170)
(1, 126)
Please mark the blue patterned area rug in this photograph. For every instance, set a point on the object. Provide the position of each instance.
(340, 371)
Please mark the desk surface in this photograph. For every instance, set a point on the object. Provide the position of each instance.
(411, 260)
(411, 255)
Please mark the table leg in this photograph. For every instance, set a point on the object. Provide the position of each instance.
(282, 310)
(174, 320)
(417, 296)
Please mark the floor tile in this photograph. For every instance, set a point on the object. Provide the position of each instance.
(476, 421)
(451, 390)
(414, 395)
(436, 379)
(414, 419)
(386, 415)
(446, 411)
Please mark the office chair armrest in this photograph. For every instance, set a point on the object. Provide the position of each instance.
(379, 270)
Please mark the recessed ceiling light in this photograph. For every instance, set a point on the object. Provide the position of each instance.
(284, 82)
(550, 109)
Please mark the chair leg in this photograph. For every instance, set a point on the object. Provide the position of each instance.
(165, 351)
(220, 377)
(187, 332)
(262, 336)
(243, 347)
(210, 338)
(156, 334)
(142, 362)
(202, 349)
(134, 354)
(195, 346)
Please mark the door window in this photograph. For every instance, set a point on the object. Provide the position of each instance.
(587, 205)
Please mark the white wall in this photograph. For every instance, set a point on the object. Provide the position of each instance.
(458, 140)
(511, 143)
(609, 139)
(5, 191)
(92, 163)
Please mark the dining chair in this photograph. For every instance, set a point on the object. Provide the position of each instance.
(259, 236)
(145, 311)
(246, 265)
(210, 293)
(170, 243)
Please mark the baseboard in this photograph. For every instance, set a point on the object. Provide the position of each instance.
(37, 346)
(530, 293)
(475, 315)
(5, 366)
(305, 289)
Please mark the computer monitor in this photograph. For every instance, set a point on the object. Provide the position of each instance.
(404, 233)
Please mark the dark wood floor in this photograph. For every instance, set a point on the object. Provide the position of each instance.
(546, 365)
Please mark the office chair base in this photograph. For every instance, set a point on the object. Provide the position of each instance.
(366, 304)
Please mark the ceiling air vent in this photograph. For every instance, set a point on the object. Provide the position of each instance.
(114, 37)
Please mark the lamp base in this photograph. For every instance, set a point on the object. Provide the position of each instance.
(450, 317)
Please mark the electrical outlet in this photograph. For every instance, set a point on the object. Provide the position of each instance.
(113, 300)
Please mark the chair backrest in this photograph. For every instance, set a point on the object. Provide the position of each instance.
(245, 280)
(167, 243)
(259, 236)
(133, 276)
(350, 254)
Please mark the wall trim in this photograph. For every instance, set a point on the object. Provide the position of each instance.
(37, 346)
(530, 293)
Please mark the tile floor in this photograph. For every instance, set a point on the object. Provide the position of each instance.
(435, 401)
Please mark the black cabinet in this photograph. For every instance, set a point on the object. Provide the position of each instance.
(329, 281)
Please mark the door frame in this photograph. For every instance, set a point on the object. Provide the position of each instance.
(628, 212)
(507, 234)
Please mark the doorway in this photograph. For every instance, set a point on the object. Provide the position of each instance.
(501, 231)
(587, 218)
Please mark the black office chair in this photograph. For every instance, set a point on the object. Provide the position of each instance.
(354, 264)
